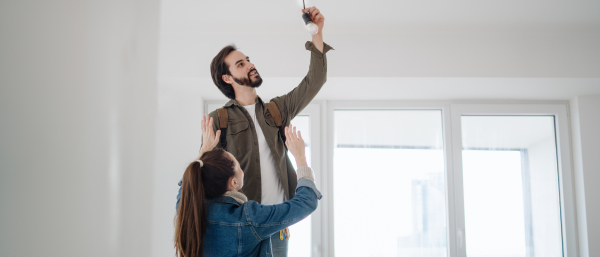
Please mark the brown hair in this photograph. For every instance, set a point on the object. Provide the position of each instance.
(198, 184)
(218, 68)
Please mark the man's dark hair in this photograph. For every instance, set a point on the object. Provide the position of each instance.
(218, 68)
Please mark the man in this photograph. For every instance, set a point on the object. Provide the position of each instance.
(252, 135)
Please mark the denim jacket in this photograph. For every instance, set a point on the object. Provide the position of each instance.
(236, 229)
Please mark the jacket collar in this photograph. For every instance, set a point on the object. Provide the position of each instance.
(231, 102)
(230, 197)
(237, 196)
(235, 102)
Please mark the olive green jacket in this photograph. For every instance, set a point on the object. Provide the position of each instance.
(241, 137)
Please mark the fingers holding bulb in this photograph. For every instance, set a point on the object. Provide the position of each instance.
(314, 13)
(319, 18)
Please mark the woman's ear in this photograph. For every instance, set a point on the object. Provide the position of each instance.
(231, 184)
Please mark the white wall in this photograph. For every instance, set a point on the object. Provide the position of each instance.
(585, 123)
(77, 111)
(585, 119)
(178, 138)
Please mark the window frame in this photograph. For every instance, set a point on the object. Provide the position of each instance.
(565, 173)
(332, 106)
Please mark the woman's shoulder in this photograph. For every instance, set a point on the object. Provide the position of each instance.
(225, 210)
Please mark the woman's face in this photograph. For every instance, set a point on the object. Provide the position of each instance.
(239, 173)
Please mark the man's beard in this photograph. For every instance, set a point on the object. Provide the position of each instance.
(248, 82)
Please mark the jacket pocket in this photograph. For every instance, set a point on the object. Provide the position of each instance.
(238, 138)
(237, 128)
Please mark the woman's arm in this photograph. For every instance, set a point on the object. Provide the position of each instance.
(295, 144)
(268, 219)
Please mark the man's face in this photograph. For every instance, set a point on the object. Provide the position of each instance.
(242, 70)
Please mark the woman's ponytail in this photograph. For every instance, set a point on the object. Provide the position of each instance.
(190, 224)
(215, 168)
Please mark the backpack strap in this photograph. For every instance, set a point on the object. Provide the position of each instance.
(272, 107)
(223, 118)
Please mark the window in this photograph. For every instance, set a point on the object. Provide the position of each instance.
(390, 194)
(512, 180)
(511, 193)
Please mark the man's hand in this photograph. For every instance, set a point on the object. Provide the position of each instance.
(209, 138)
(316, 16)
(319, 20)
(295, 145)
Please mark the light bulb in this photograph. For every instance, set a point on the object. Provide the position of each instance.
(310, 26)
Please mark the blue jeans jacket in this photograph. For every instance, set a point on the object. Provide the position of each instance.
(244, 229)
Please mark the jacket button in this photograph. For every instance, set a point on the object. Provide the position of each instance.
(257, 159)
(255, 143)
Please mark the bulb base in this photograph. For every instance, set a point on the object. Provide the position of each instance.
(306, 18)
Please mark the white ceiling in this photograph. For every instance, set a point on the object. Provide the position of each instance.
(282, 16)
(401, 49)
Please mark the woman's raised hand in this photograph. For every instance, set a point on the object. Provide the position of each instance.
(295, 145)
(209, 138)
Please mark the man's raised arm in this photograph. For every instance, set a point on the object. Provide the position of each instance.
(294, 102)
(319, 20)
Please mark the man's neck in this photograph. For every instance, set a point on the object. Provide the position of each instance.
(246, 97)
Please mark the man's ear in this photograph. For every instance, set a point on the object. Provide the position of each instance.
(227, 79)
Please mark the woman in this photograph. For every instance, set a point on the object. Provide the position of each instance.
(215, 219)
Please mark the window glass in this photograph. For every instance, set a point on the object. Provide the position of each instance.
(388, 183)
(300, 233)
(510, 183)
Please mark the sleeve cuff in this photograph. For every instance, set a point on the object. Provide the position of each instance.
(310, 184)
(311, 47)
(305, 172)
